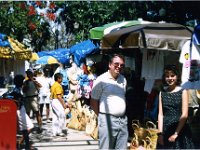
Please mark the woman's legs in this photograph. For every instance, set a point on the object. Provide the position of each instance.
(41, 109)
(47, 111)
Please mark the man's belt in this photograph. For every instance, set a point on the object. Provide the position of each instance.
(112, 115)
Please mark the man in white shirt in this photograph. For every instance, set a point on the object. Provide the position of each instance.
(108, 102)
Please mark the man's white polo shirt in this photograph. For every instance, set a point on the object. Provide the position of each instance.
(110, 93)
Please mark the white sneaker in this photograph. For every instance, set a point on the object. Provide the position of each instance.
(48, 121)
(60, 134)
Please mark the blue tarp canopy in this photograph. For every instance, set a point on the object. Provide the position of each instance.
(4, 40)
(61, 54)
(82, 50)
(196, 35)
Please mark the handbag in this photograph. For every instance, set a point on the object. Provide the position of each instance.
(144, 136)
(77, 120)
(151, 127)
(94, 134)
(137, 144)
(91, 122)
(141, 132)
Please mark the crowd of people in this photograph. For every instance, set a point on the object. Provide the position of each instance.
(106, 95)
(36, 90)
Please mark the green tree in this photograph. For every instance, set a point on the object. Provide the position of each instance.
(21, 20)
(89, 14)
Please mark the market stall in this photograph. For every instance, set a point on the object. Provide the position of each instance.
(99, 32)
(13, 55)
(147, 49)
(147, 42)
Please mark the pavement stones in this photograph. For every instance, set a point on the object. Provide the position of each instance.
(73, 139)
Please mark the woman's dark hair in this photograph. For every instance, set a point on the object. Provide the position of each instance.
(57, 76)
(175, 70)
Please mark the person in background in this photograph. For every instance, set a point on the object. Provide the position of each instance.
(24, 123)
(73, 72)
(193, 106)
(174, 131)
(65, 82)
(91, 74)
(44, 93)
(108, 102)
(84, 88)
(58, 106)
(30, 90)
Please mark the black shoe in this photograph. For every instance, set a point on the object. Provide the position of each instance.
(39, 130)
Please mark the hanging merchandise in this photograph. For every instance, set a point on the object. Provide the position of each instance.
(152, 67)
(190, 58)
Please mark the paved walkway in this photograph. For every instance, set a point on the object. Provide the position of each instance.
(74, 140)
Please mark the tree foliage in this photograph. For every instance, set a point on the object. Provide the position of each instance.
(95, 13)
(89, 14)
(20, 19)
